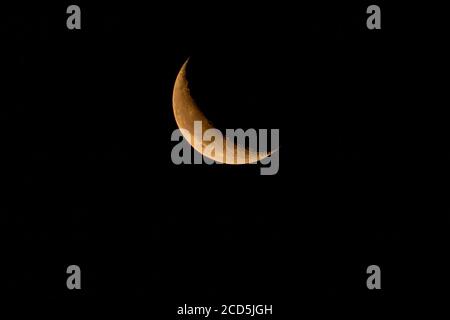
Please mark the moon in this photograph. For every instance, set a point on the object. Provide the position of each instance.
(187, 111)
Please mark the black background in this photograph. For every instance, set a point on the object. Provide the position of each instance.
(86, 124)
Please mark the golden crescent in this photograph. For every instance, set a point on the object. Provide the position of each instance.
(186, 112)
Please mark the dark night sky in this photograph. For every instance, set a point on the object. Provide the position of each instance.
(86, 124)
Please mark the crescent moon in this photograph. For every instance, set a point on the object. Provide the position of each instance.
(186, 112)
